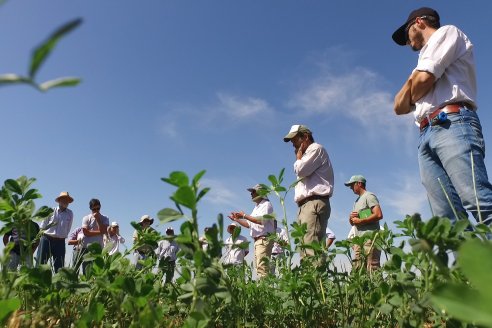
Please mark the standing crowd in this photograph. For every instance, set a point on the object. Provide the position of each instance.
(441, 94)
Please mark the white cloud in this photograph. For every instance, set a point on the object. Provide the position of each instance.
(219, 193)
(357, 94)
(243, 108)
(408, 196)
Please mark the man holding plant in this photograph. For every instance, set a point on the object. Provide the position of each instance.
(315, 187)
(365, 217)
(441, 92)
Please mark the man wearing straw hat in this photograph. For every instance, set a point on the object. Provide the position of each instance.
(56, 229)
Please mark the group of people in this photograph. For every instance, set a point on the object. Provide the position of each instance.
(440, 92)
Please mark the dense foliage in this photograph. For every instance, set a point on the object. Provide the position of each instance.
(417, 286)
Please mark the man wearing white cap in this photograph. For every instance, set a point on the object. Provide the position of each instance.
(260, 228)
(234, 255)
(113, 238)
(56, 229)
(365, 216)
(313, 191)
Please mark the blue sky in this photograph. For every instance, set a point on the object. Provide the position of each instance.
(215, 85)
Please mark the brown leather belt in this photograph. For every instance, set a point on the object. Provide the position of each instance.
(448, 109)
(310, 198)
(259, 237)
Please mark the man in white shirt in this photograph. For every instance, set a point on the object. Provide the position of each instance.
(233, 254)
(56, 229)
(260, 227)
(441, 93)
(166, 252)
(313, 191)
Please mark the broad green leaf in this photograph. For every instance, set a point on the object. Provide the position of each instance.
(185, 196)
(43, 212)
(202, 193)
(197, 178)
(60, 82)
(460, 226)
(464, 304)
(41, 53)
(169, 215)
(32, 194)
(177, 178)
(475, 260)
(273, 180)
(13, 186)
(7, 307)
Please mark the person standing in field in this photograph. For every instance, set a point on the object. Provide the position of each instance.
(167, 254)
(56, 229)
(365, 216)
(234, 253)
(24, 244)
(278, 250)
(113, 238)
(441, 93)
(94, 227)
(143, 251)
(75, 240)
(315, 187)
(260, 227)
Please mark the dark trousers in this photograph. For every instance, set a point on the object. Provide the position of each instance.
(52, 248)
(167, 266)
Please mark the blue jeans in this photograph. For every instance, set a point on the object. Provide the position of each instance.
(444, 154)
(52, 248)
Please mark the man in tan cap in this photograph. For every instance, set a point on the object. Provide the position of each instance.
(315, 187)
(234, 253)
(56, 229)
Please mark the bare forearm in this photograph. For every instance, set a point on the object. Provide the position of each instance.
(403, 99)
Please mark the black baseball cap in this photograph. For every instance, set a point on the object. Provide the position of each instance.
(400, 35)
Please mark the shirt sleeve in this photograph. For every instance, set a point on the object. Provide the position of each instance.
(445, 46)
(372, 200)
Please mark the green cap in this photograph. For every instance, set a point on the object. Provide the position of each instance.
(354, 179)
(294, 130)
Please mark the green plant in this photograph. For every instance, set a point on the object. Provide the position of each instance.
(39, 56)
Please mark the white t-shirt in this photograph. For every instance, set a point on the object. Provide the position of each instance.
(330, 234)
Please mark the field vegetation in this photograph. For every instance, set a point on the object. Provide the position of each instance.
(418, 286)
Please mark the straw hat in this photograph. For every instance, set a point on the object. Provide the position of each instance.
(146, 218)
(64, 194)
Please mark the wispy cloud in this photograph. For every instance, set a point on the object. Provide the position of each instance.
(227, 111)
(219, 193)
(243, 108)
(356, 93)
(408, 196)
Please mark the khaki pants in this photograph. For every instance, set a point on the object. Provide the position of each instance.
(315, 214)
(263, 251)
(372, 256)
